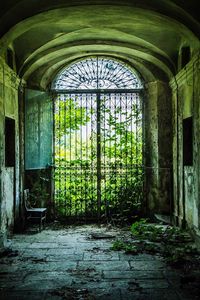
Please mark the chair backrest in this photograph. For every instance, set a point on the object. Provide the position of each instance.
(26, 198)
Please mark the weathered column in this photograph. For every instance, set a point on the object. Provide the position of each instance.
(158, 147)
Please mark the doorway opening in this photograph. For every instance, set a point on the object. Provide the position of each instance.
(98, 140)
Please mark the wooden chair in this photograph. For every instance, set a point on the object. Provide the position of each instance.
(35, 214)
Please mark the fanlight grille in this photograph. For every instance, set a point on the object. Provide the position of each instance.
(96, 73)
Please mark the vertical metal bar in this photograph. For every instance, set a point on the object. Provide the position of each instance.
(130, 138)
(109, 97)
(121, 152)
(70, 153)
(59, 149)
(126, 139)
(104, 101)
(98, 153)
(137, 137)
(81, 155)
(137, 116)
(98, 75)
(86, 178)
(141, 102)
(64, 178)
(53, 153)
(39, 130)
(144, 172)
(87, 168)
(76, 187)
(131, 154)
(91, 151)
(115, 145)
(98, 156)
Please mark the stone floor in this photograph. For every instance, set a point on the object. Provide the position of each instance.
(68, 263)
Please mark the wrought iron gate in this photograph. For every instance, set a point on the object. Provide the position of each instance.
(98, 139)
(98, 153)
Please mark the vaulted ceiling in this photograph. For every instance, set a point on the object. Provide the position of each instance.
(48, 35)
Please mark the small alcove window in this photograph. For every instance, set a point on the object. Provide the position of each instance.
(188, 141)
(9, 142)
(185, 56)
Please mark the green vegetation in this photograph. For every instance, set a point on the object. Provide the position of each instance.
(77, 163)
(172, 243)
(68, 117)
(142, 229)
(127, 247)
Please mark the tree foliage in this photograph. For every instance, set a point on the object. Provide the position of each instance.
(69, 117)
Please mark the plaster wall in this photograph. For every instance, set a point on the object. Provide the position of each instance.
(9, 176)
(186, 92)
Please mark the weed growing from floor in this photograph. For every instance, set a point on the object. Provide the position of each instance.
(172, 243)
(127, 247)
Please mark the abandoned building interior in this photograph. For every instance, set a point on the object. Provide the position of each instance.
(99, 112)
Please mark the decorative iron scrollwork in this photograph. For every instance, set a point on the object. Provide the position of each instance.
(97, 73)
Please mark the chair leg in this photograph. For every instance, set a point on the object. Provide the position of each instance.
(40, 223)
(44, 221)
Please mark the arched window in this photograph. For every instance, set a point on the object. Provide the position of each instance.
(97, 73)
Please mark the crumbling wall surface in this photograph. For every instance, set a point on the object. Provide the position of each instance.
(186, 95)
(151, 146)
(2, 234)
(9, 176)
(158, 147)
(165, 147)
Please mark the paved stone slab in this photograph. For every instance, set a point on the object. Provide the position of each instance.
(66, 257)
(112, 294)
(18, 245)
(43, 284)
(22, 295)
(149, 295)
(133, 274)
(63, 251)
(48, 266)
(34, 252)
(153, 283)
(41, 245)
(141, 257)
(147, 265)
(101, 256)
(7, 269)
(105, 265)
